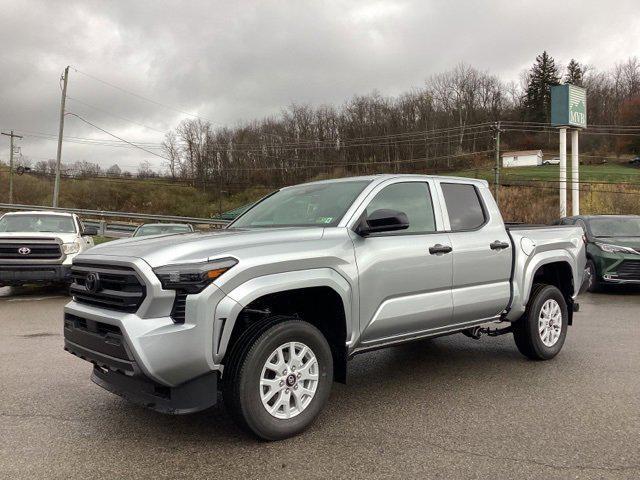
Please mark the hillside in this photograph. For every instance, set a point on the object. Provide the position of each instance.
(528, 194)
(157, 196)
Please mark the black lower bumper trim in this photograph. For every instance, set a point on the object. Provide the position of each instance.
(16, 275)
(99, 359)
(193, 396)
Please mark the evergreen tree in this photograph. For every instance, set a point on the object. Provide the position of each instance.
(574, 73)
(542, 76)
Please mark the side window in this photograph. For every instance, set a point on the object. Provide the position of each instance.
(464, 206)
(412, 198)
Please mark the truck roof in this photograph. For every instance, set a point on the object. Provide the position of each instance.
(386, 176)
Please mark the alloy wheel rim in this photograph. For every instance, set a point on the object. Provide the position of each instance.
(550, 322)
(289, 380)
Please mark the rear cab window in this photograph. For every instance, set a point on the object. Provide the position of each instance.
(464, 206)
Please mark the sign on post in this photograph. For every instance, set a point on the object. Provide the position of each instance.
(569, 109)
(568, 106)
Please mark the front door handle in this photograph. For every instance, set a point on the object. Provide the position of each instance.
(498, 245)
(438, 248)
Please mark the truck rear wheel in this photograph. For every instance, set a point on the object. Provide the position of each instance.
(541, 331)
(278, 378)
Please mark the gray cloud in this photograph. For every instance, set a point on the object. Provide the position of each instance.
(235, 61)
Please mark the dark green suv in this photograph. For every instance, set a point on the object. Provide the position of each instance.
(613, 248)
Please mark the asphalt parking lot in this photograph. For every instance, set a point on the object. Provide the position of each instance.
(451, 407)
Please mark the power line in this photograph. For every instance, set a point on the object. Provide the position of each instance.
(115, 136)
(114, 115)
(146, 99)
(133, 94)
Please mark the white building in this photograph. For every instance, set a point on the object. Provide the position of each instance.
(525, 158)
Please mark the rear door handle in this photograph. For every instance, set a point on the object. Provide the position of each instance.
(438, 248)
(498, 245)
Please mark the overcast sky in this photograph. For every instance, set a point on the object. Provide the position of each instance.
(238, 60)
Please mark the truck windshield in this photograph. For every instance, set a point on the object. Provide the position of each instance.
(615, 227)
(320, 204)
(37, 223)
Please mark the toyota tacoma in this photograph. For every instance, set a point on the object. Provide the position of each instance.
(270, 310)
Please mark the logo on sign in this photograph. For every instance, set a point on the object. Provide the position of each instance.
(24, 250)
(92, 282)
(577, 106)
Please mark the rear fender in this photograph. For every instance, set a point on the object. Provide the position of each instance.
(524, 275)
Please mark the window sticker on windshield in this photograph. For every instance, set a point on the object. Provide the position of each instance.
(325, 219)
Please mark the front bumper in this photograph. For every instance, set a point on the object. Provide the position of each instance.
(117, 370)
(193, 396)
(14, 275)
(618, 268)
(145, 356)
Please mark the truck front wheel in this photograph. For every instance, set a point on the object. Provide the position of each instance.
(541, 331)
(278, 378)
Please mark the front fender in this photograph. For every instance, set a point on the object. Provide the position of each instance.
(229, 308)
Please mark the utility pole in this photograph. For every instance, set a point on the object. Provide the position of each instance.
(56, 185)
(496, 180)
(11, 137)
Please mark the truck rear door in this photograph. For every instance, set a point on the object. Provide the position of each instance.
(482, 251)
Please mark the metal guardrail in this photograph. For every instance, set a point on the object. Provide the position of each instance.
(115, 226)
(114, 229)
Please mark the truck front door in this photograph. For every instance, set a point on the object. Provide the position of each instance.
(404, 288)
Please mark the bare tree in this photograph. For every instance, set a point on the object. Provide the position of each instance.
(171, 148)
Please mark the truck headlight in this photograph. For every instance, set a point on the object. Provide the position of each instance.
(192, 277)
(68, 248)
(606, 247)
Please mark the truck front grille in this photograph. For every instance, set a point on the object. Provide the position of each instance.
(629, 270)
(113, 287)
(30, 249)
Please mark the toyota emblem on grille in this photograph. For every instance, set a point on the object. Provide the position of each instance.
(92, 282)
(24, 250)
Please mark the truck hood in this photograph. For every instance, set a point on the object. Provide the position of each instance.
(158, 250)
(64, 237)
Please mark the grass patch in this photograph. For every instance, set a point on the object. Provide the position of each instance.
(610, 172)
(98, 239)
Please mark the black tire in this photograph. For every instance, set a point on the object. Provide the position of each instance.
(594, 285)
(241, 379)
(525, 330)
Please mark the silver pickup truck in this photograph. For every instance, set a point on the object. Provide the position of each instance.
(270, 310)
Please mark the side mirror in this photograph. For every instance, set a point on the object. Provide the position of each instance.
(91, 231)
(383, 220)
